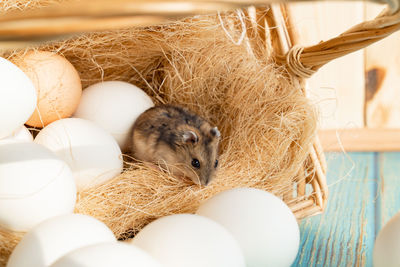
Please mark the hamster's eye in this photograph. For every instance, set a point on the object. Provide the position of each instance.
(216, 163)
(196, 163)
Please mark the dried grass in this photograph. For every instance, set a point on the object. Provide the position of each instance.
(10, 5)
(266, 123)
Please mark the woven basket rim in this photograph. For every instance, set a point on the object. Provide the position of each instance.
(29, 27)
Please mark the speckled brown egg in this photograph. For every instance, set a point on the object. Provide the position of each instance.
(57, 83)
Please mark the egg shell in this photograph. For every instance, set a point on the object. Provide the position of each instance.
(57, 236)
(17, 98)
(386, 251)
(34, 186)
(115, 106)
(57, 84)
(22, 134)
(92, 153)
(189, 240)
(107, 254)
(263, 224)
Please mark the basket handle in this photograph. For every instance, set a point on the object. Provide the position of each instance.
(305, 61)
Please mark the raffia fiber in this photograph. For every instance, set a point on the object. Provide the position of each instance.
(10, 5)
(267, 124)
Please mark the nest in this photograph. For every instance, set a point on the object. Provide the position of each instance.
(10, 5)
(266, 122)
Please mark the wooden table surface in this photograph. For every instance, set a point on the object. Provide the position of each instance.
(364, 194)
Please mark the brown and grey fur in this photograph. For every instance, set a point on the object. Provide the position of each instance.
(173, 137)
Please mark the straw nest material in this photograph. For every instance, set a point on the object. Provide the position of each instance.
(9, 5)
(266, 122)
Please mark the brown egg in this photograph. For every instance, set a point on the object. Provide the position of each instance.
(57, 83)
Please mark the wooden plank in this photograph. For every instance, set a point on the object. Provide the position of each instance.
(382, 66)
(345, 233)
(365, 139)
(338, 87)
(388, 200)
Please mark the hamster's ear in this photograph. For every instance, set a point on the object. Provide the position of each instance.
(215, 132)
(189, 137)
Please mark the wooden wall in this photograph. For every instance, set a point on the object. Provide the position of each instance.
(360, 91)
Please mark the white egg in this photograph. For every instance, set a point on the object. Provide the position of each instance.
(263, 224)
(115, 106)
(34, 186)
(56, 237)
(116, 254)
(189, 240)
(22, 134)
(92, 153)
(17, 98)
(387, 244)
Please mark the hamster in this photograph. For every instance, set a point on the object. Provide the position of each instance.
(178, 140)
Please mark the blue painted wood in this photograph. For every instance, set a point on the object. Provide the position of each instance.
(345, 233)
(388, 187)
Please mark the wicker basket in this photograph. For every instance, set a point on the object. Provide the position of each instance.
(267, 26)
